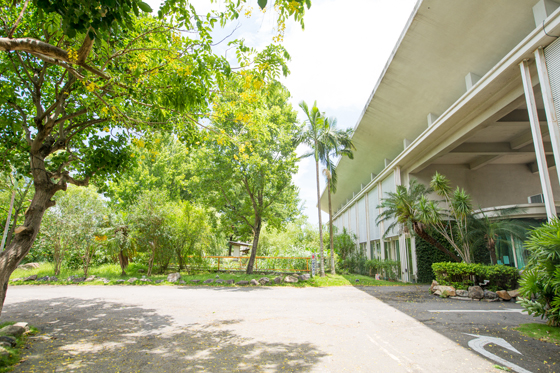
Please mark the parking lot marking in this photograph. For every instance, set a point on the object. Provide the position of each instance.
(478, 311)
(480, 341)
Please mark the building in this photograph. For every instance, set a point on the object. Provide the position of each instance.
(471, 90)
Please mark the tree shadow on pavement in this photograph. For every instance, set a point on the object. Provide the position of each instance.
(98, 336)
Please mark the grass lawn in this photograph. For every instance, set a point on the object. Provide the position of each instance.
(113, 272)
(6, 363)
(541, 332)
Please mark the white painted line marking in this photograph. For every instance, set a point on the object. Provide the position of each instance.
(480, 341)
(478, 311)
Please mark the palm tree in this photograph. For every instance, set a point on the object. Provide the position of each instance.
(408, 208)
(340, 144)
(491, 229)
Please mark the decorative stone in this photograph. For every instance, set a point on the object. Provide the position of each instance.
(78, 279)
(503, 294)
(132, 280)
(254, 282)
(278, 280)
(217, 276)
(104, 280)
(490, 294)
(476, 292)
(145, 280)
(23, 324)
(304, 277)
(17, 279)
(195, 281)
(29, 266)
(12, 330)
(174, 277)
(434, 284)
(4, 352)
(462, 293)
(181, 281)
(159, 281)
(46, 278)
(230, 282)
(513, 293)
(264, 281)
(209, 281)
(242, 283)
(30, 278)
(450, 290)
(53, 279)
(290, 279)
(5, 344)
(219, 281)
(119, 281)
(90, 278)
(8, 339)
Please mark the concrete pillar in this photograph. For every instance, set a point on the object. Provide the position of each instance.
(537, 140)
(550, 110)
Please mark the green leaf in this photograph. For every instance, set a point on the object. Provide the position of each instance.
(262, 3)
(145, 7)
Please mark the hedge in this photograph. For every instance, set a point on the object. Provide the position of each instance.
(461, 275)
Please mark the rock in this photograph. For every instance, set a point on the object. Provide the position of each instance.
(217, 276)
(503, 294)
(437, 292)
(132, 279)
(174, 277)
(357, 280)
(30, 278)
(490, 294)
(17, 279)
(23, 324)
(145, 280)
(29, 266)
(4, 352)
(195, 281)
(254, 282)
(104, 280)
(450, 290)
(209, 281)
(219, 281)
(53, 279)
(290, 279)
(476, 292)
(119, 281)
(5, 344)
(242, 283)
(304, 277)
(8, 339)
(513, 293)
(141, 270)
(181, 281)
(78, 279)
(143, 276)
(230, 282)
(434, 284)
(278, 280)
(264, 281)
(462, 293)
(159, 281)
(46, 278)
(90, 278)
(12, 330)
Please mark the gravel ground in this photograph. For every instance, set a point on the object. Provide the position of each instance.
(202, 329)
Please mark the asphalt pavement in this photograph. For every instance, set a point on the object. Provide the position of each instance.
(230, 329)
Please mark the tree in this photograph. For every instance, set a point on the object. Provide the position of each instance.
(245, 170)
(339, 143)
(407, 208)
(14, 190)
(490, 227)
(83, 75)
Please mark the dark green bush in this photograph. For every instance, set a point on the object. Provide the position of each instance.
(540, 285)
(463, 275)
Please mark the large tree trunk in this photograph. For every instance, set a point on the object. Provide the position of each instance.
(333, 271)
(256, 235)
(321, 249)
(25, 235)
(432, 241)
(123, 261)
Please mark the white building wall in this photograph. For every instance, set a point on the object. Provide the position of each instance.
(388, 186)
(362, 220)
(352, 219)
(373, 201)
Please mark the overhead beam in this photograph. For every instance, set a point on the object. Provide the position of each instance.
(521, 115)
(534, 167)
(523, 139)
(483, 161)
(496, 148)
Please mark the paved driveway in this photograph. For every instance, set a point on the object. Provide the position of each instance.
(203, 329)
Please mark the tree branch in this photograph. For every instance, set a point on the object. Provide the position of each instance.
(18, 20)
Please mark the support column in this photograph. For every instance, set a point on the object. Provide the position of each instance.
(402, 238)
(537, 140)
(550, 110)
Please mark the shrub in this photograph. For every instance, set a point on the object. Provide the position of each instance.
(540, 285)
(463, 275)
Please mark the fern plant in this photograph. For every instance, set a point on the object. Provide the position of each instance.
(540, 284)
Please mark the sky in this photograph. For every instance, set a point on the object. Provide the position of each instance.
(336, 60)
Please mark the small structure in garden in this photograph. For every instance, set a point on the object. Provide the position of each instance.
(240, 248)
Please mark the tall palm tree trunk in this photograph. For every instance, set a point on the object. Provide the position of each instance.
(333, 271)
(321, 251)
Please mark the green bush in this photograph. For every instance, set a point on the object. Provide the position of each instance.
(388, 269)
(463, 275)
(540, 285)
